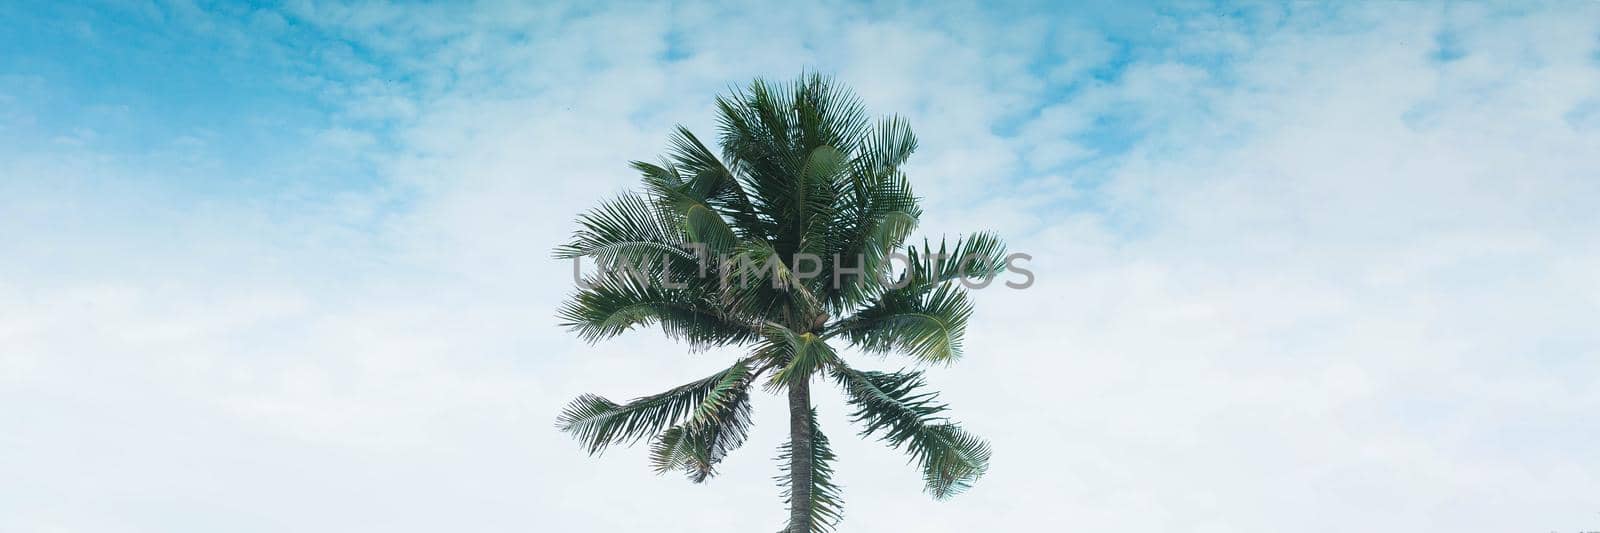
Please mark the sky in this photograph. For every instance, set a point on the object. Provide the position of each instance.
(1305, 267)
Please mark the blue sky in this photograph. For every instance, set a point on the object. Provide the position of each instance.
(153, 83)
(248, 89)
(286, 267)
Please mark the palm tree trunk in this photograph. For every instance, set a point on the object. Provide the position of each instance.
(800, 456)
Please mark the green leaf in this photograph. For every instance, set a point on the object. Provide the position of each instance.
(705, 226)
(928, 326)
(979, 257)
(760, 283)
(892, 406)
(616, 304)
(628, 228)
(887, 148)
(797, 355)
(719, 425)
(598, 423)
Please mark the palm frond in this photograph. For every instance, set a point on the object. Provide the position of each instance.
(756, 136)
(887, 147)
(878, 213)
(776, 136)
(677, 449)
(796, 355)
(718, 426)
(979, 257)
(827, 114)
(716, 400)
(758, 282)
(704, 225)
(826, 505)
(702, 202)
(952, 460)
(929, 326)
(718, 184)
(612, 305)
(813, 196)
(892, 406)
(924, 312)
(629, 228)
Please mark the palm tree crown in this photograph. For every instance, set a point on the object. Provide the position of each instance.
(714, 251)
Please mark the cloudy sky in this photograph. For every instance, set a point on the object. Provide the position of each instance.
(1300, 268)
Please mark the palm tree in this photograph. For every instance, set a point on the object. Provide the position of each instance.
(803, 173)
